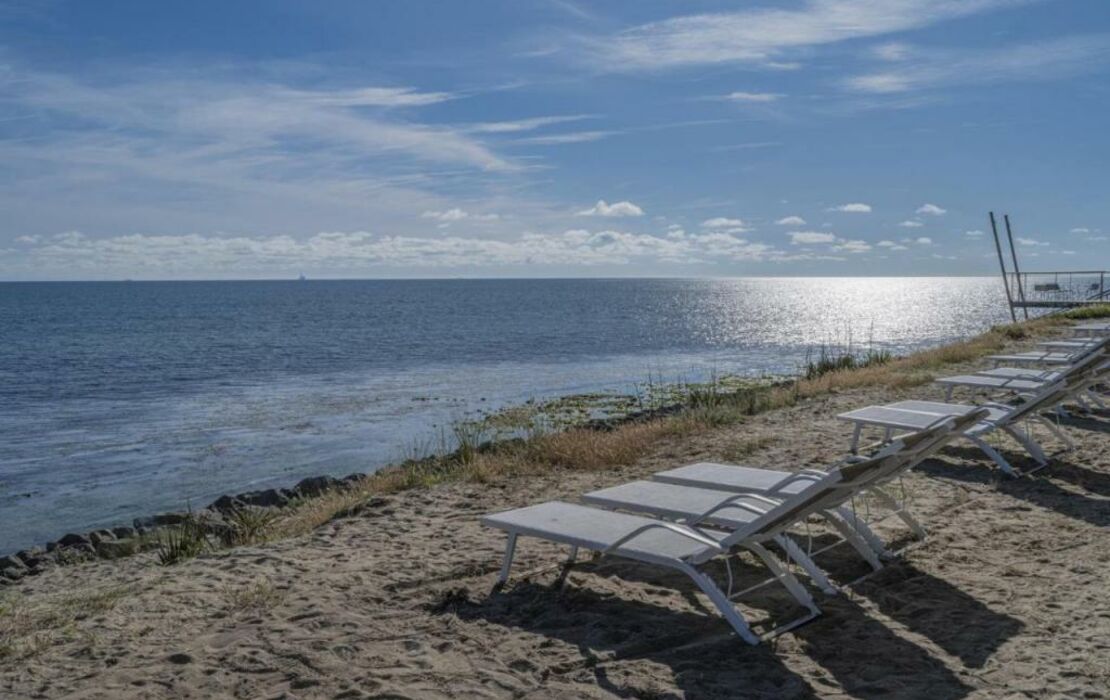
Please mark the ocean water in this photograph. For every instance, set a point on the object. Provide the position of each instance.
(125, 399)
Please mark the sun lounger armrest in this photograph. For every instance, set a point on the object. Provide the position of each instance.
(803, 475)
(673, 527)
(737, 501)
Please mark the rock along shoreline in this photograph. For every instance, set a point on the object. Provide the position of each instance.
(142, 534)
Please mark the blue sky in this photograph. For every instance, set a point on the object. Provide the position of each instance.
(410, 138)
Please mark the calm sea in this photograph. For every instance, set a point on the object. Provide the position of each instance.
(126, 399)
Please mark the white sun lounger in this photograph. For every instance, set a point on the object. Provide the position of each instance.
(1066, 356)
(682, 547)
(908, 451)
(1091, 329)
(916, 415)
(1019, 380)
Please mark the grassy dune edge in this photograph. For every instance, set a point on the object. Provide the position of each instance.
(593, 449)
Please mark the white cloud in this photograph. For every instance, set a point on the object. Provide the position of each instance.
(754, 97)
(616, 209)
(1031, 242)
(973, 234)
(1080, 230)
(923, 240)
(723, 222)
(854, 247)
(810, 237)
(931, 210)
(891, 245)
(154, 256)
(909, 223)
(446, 216)
(934, 68)
(762, 35)
(791, 221)
(853, 208)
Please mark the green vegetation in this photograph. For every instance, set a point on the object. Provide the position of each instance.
(830, 361)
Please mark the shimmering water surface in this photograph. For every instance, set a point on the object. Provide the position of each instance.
(126, 399)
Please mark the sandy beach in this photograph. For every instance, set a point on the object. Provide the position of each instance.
(1006, 597)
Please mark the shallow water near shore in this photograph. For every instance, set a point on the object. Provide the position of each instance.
(125, 399)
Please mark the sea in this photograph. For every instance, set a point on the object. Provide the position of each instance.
(125, 399)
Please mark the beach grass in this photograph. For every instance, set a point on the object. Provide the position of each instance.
(608, 446)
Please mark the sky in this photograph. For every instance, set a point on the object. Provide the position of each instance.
(540, 138)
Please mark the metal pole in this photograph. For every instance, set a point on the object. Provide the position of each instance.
(1002, 264)
(1017, 271)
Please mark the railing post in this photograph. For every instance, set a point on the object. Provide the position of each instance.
(1002, 265)
(1017, 270)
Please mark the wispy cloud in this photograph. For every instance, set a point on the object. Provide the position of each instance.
(931, 210)
(791, 221)
(852, 208)
(923, 69)
(757, 97)
(762, 35)
(911, 223)
(512, 127)
(573, 137)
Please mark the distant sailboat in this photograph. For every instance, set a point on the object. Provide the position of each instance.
(302, 278)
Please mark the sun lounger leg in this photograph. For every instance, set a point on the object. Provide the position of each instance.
(507, 563)
(855, 437)
(853, 538)
(889, 501)
(1052, 428)
(792, 584)
(1031, 446)
(998, 459)
(808, 565)
(858, 533)
(1096, 399)
(722, 603)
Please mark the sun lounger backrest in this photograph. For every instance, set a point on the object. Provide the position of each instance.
(819, 495)
(1046, 398)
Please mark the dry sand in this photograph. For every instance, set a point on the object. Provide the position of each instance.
(1009, 596)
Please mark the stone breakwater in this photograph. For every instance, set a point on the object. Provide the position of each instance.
(143, 533)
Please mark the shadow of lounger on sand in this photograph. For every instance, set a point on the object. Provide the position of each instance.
(864, 655)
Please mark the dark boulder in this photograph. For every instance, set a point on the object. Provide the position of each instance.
(12, 563)
(166, 519)
(270, 498)
(99, 536)
(226, 504)
(73, 540)
(123, 532)
(315, 486)
(34, 554)
(116, 549)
